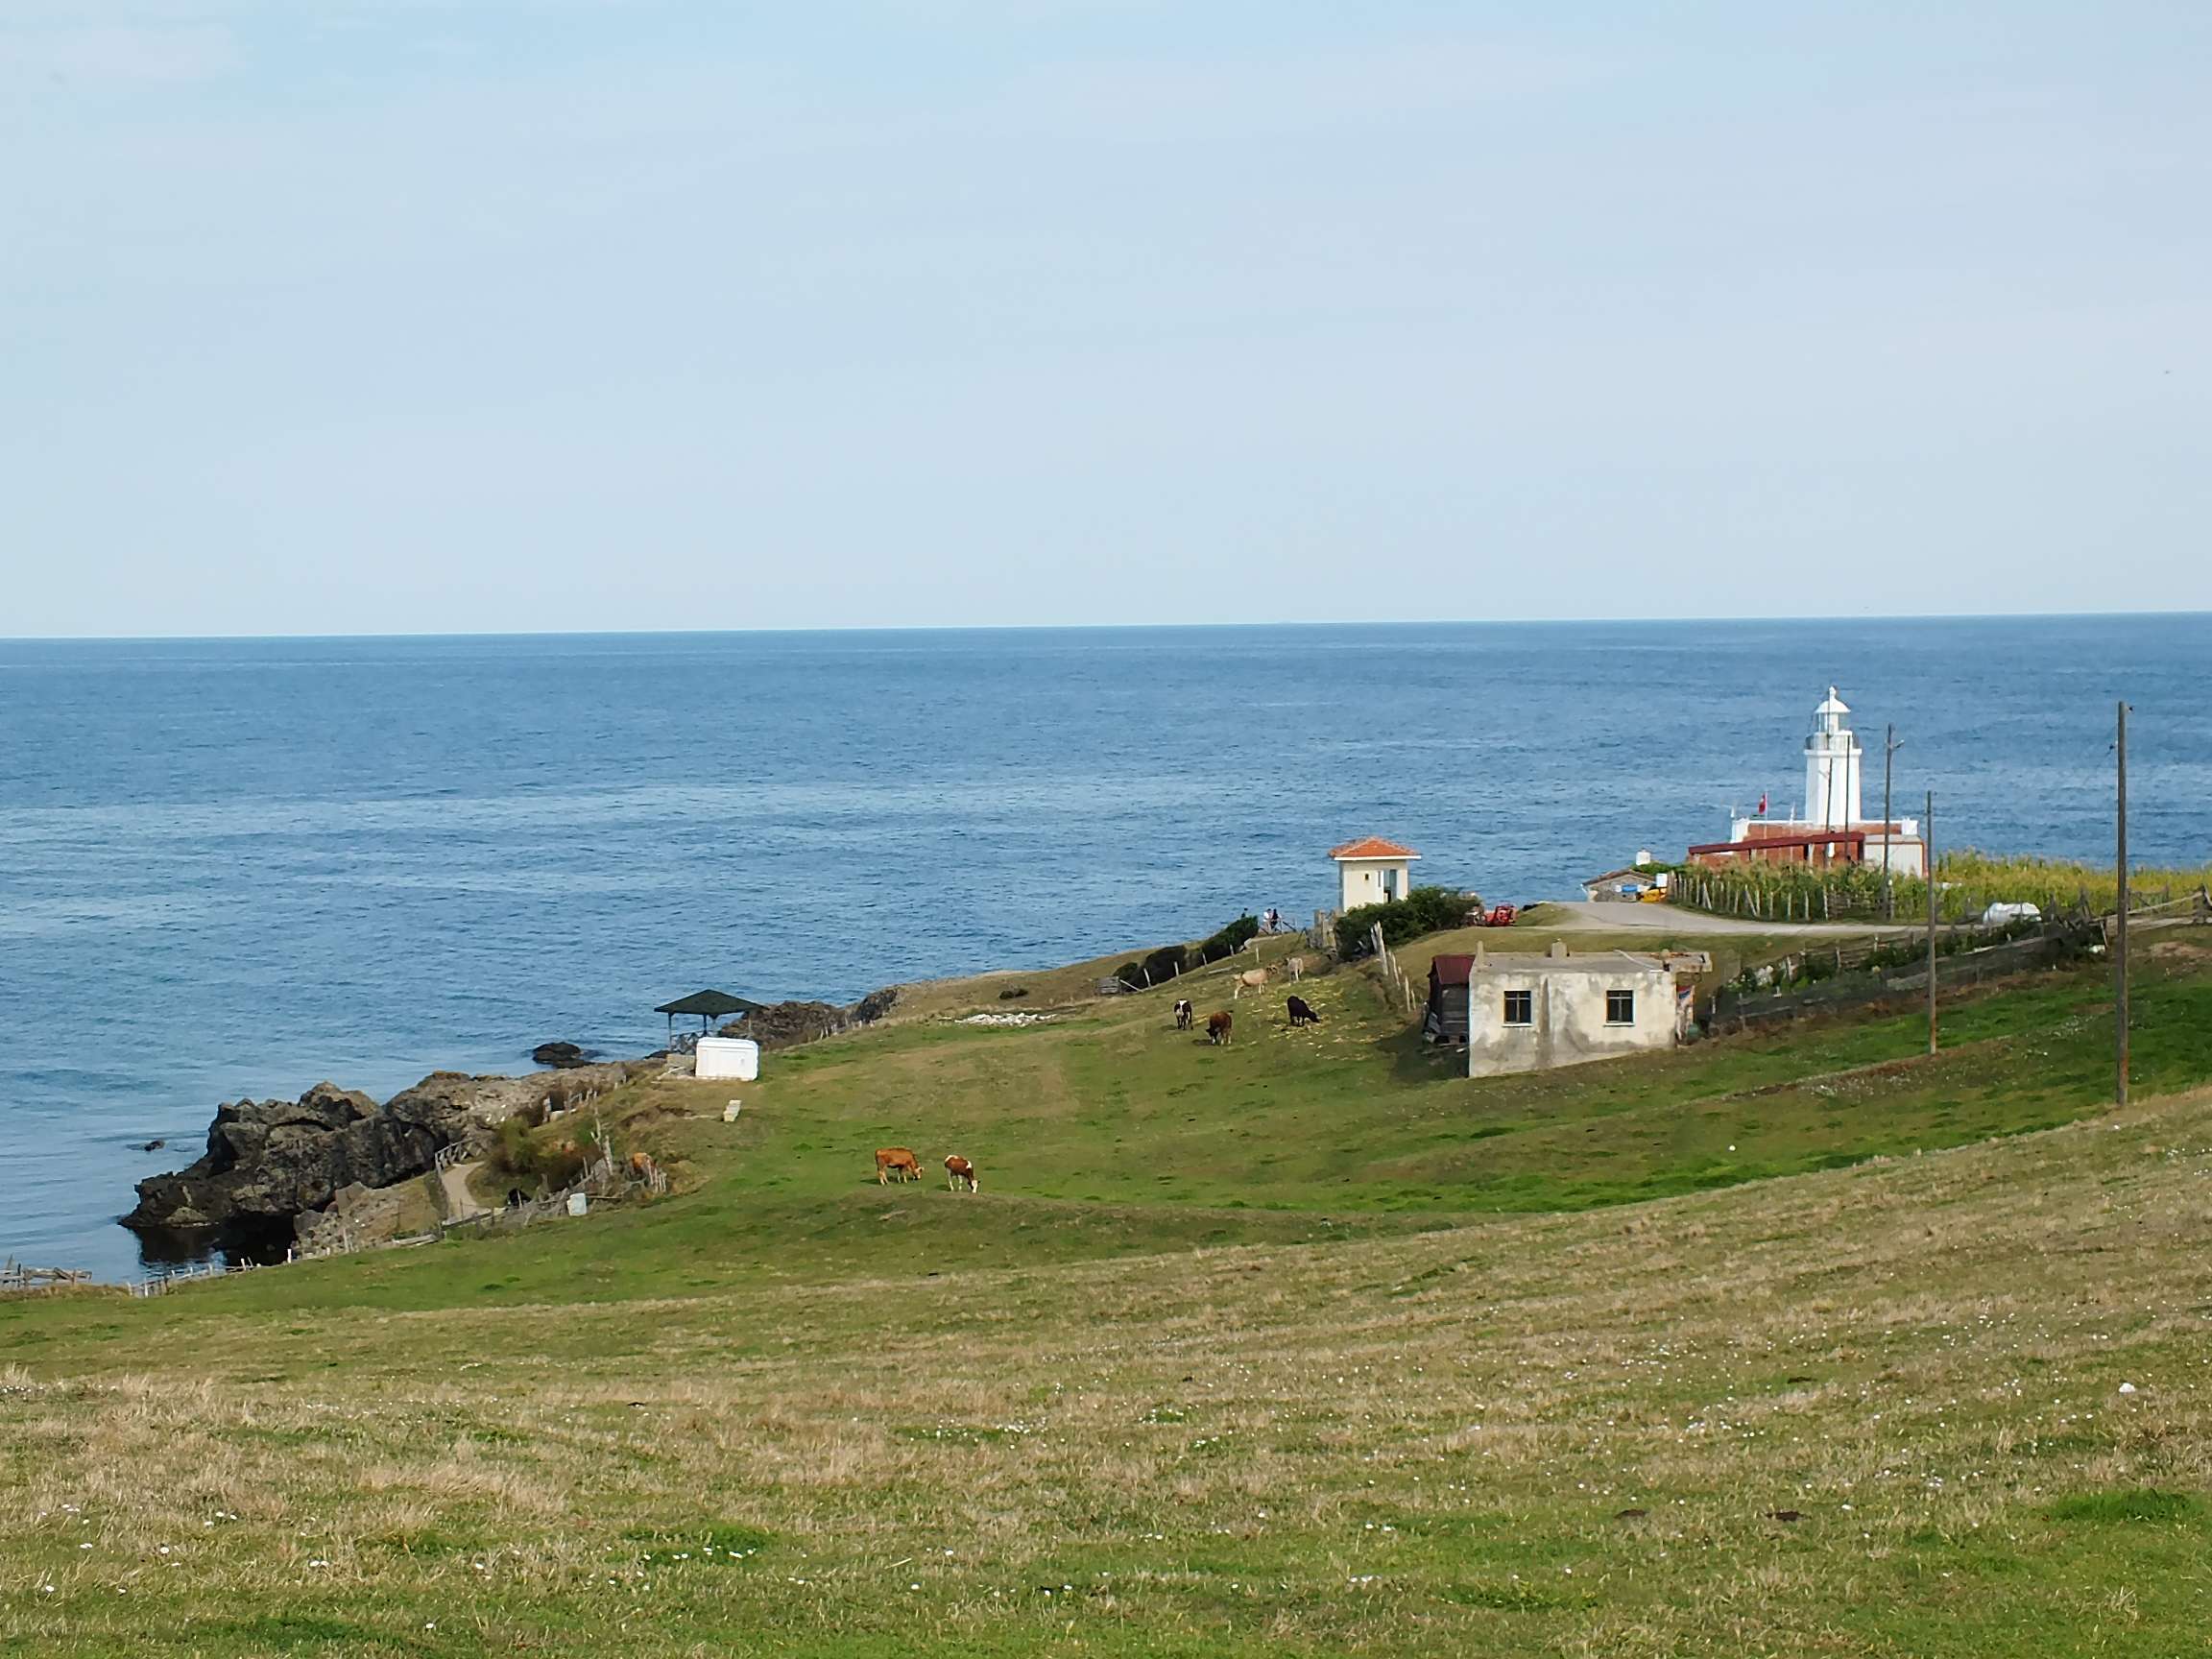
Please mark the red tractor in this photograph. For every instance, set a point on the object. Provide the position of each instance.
(1500, 915)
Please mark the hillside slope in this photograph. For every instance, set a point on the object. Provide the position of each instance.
(1872, 1410)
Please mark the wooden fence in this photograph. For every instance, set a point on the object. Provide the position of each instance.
(1394, 975)
(1737, 1008)
(161, 1284)
(14, 1275)
(1797, 901)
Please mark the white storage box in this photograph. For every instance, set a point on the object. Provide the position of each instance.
(738, 1057)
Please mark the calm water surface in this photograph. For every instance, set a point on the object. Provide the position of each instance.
(234, 868)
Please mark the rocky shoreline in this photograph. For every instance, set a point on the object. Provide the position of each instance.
(276, 1170)
(273, 1163)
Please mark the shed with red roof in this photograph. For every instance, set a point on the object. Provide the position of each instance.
(1372, 871)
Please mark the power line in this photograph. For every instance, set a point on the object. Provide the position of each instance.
(1927, 831)
(2120, 927)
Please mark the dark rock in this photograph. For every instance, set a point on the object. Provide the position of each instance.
(875, 1006)
(270, 1161)
(561, 1056)
(787, 1025)
(154, 1145)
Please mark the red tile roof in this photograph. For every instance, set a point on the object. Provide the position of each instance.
(1372, 847)
(1452, 970)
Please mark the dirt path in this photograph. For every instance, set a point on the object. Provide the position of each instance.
(460, 1202)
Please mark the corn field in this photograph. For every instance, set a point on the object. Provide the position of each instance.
(1968, 883)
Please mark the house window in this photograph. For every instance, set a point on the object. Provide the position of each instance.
(1620, 1007)
(1519, 1008)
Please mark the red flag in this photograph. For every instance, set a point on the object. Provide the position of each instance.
(1761, 805)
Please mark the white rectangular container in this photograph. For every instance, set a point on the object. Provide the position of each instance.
(738, 1057)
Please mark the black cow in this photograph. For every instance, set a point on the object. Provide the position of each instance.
(1302, 1011)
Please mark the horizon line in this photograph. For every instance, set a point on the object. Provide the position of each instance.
(1082, 627)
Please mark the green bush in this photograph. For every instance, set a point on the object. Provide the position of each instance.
(1424, 911)
(513, 1151)
(1225, 944)
(1165, 963)
(1159, 966)
(520, 1155)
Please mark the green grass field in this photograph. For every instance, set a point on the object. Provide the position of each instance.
(1800, 1345)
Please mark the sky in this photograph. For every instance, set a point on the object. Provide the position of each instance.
(402, 316)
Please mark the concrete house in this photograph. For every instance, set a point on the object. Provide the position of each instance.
(1529, 1013)
(1372, 871)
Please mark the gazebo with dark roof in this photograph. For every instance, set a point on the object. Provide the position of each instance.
(709, 1005)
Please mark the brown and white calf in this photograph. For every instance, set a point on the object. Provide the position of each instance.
(958, 1172)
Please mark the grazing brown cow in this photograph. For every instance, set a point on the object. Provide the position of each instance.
(897, 1162)
(958, 1171)
(1217, 1027)
(1183, 1015)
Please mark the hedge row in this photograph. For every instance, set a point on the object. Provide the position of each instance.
(1424, 911)
(1170, 960)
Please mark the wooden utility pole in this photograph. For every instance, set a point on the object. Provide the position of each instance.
(2120, 924)
(1928, 846)
(1890, 748)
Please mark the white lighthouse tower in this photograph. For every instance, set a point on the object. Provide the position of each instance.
(1831, 762)
(1835, 827)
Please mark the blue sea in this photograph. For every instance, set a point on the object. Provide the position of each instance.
(237, 867)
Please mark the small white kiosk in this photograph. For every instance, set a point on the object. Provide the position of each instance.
(1372, 871)
(738, 1057)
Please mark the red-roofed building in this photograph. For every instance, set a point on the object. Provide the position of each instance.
(1372, 871)
(1445, 1021)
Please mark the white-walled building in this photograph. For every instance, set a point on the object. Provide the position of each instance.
(1372, 871)
(1527, 1013)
